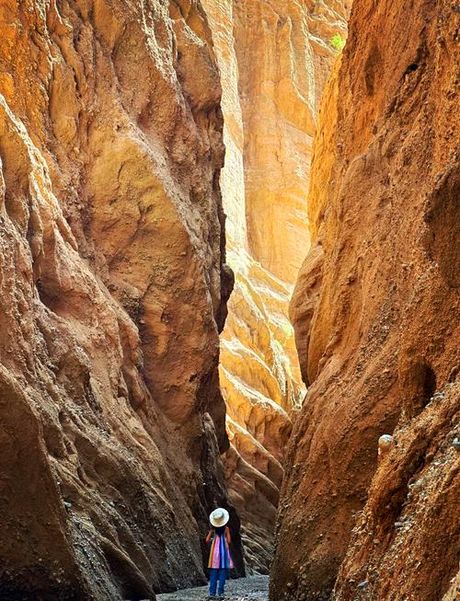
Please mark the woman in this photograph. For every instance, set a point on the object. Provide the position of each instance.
(220, 560)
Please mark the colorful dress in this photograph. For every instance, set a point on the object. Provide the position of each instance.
(219, 555)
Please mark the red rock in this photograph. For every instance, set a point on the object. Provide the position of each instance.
(380, 333)
(113, 291)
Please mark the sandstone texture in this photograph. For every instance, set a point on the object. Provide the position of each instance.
(406, 542)
(376, 312)
(284, 57)
(273, 58)
(113, 291)
(262, 386)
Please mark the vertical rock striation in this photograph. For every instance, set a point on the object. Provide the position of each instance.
(273, 58)
(113, 290)
(376, 315)
(284, 57)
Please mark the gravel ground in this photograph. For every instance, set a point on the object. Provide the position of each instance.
(254, 588)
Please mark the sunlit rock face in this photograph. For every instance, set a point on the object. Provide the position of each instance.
(284, 57)
(113, 291)
(274, 58)
(376, 315)
(261, 386)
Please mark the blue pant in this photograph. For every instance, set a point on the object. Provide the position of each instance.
(217, 576)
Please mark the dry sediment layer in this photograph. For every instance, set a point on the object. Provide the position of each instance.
(273, 57)
(376, 315)
(113, 290)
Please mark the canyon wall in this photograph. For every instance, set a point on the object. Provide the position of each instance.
(113, 290)
(273, 57)
(376, 312)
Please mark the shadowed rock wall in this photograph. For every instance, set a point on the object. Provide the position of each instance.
(113, 291)
(376, 315)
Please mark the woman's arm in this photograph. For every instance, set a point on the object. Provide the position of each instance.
(210, 534)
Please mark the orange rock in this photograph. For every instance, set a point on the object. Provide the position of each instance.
(273, 58)
(113, 292)
(382, 327)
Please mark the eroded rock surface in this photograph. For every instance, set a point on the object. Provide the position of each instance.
(273, 58)
(261, 387)
(406, 542)
(376, 313)
(113, 290)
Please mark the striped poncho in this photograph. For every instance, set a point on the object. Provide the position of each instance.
(219, 554)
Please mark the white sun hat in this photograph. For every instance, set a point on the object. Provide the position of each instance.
(219, 517)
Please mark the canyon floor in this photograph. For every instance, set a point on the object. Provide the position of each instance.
(253, 588)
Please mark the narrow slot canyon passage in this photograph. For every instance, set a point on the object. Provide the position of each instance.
(274, 58)
(230, 300)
